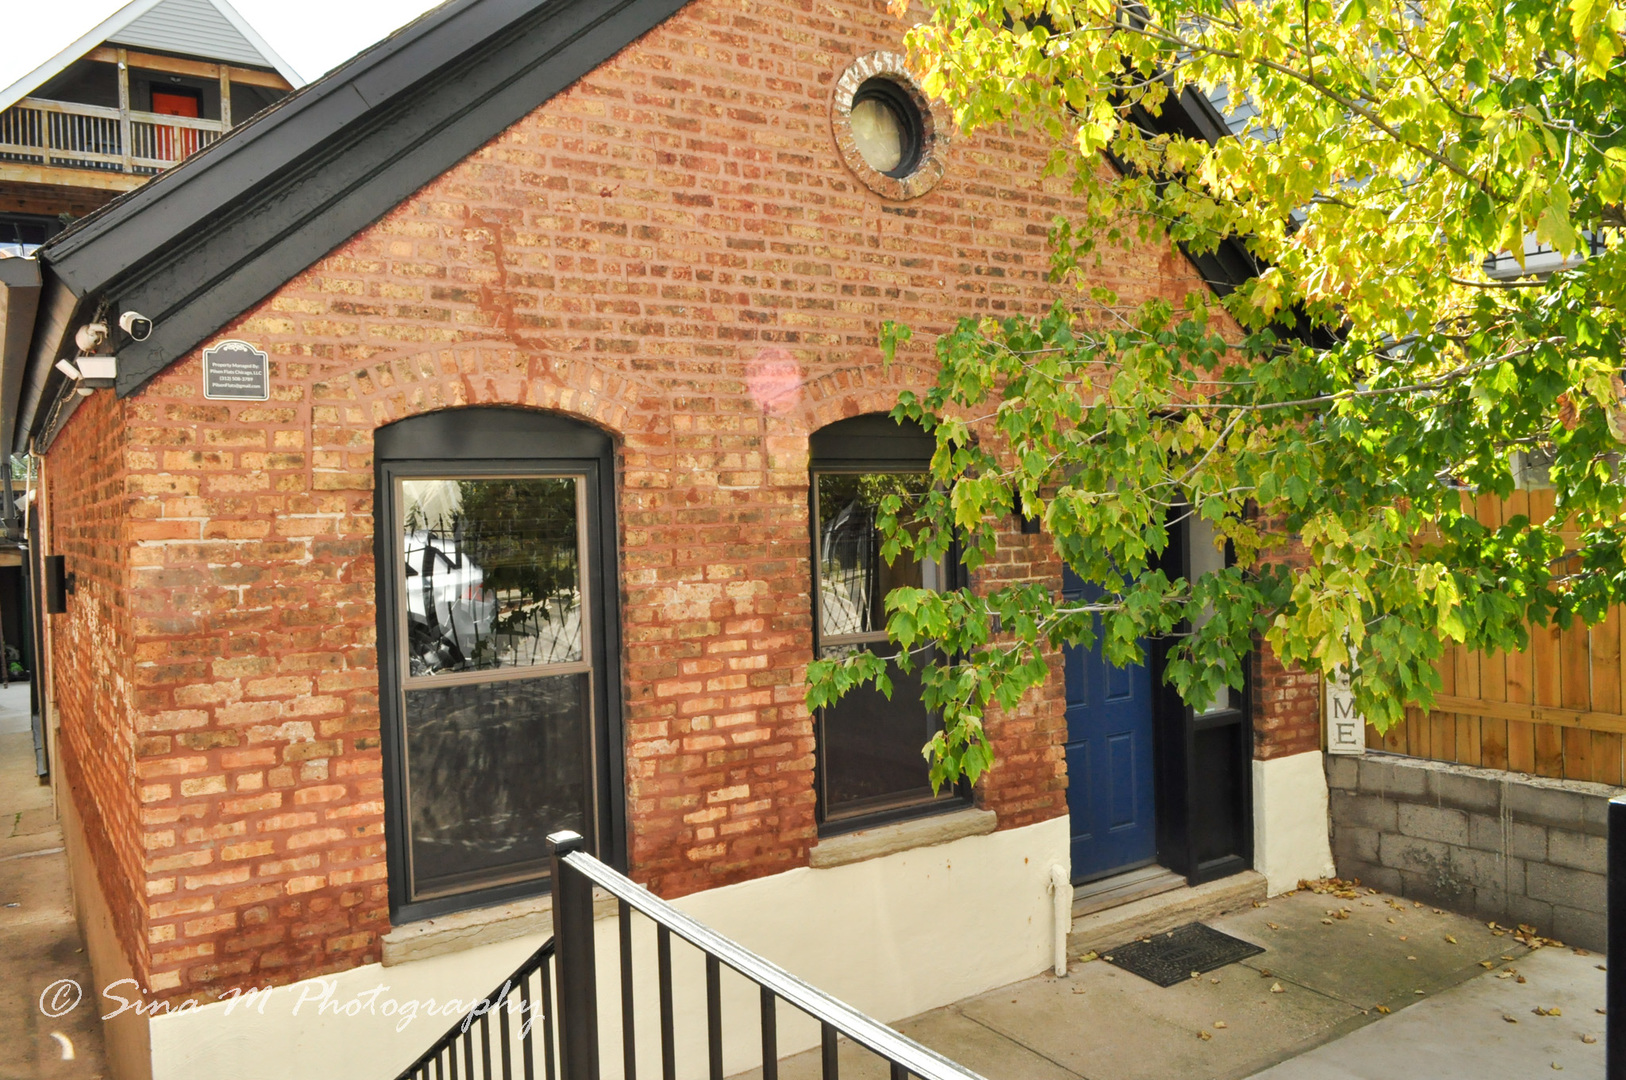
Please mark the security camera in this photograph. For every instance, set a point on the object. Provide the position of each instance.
(90, 336)
(137, 325)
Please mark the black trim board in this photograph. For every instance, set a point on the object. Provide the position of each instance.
(200, 245)
(19, 304)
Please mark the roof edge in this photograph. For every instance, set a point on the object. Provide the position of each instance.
(81, 45)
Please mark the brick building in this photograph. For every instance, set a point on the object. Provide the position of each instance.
(502, 406)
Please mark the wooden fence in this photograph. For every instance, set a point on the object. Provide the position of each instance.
(1553, 710)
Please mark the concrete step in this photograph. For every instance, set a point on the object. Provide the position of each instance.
(1163, 912)
(1123, 889)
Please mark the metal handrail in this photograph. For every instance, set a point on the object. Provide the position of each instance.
(573, 929)
(442, 1056)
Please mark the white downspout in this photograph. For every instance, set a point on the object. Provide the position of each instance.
(1061, 892)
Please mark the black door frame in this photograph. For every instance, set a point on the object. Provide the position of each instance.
(500, 440)
(1203, 764)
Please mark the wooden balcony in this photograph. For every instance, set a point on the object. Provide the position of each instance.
(52, 136)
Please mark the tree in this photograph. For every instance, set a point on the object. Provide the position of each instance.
(1356, 393)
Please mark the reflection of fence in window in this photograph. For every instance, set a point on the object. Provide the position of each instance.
(847, 571)
(493, 573)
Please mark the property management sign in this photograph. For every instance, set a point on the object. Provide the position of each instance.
(236, 371)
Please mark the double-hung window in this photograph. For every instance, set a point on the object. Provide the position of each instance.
(871, 768)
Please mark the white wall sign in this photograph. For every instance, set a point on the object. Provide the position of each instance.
(1346, 729)
(236, 371)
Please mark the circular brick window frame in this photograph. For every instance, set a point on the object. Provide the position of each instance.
(935, 126)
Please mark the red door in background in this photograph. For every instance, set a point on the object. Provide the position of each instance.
(175, 143)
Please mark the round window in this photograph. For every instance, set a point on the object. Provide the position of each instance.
(890, 136)
(886, 128)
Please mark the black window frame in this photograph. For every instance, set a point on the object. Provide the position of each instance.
(870, 443)
(499, 441)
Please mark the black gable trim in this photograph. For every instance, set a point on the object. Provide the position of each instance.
(201, 245)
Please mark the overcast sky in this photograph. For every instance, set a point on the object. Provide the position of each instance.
(311, 35)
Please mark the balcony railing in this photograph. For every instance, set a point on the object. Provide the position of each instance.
(66, 134)
(548, 1008)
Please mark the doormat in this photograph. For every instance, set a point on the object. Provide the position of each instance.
(1176, 956)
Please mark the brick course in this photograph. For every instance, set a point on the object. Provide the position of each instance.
(635, 253)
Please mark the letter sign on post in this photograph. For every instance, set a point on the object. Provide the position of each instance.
(236, 371)
(1346, 729)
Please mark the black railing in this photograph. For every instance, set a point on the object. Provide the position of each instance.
(466, 1051)
(523, 1005)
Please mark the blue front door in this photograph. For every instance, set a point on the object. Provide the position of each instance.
(1109, 758)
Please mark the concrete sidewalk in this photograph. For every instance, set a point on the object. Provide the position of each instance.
(39, 941)
(1311, 1000)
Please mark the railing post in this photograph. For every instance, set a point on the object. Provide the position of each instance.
(578, 975)
(124, 110)
(1615, 978)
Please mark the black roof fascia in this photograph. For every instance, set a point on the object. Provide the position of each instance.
(205, 242)
(1191, 115)
(19, 303)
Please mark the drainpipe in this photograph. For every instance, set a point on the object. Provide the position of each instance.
(1061, 893)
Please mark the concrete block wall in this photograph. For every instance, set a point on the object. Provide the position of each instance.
(1495, 844)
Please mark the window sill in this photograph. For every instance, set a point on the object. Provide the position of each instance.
(482, 926)
(902, 836)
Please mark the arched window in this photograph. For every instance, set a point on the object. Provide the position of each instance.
(870, 767)
(495, 541)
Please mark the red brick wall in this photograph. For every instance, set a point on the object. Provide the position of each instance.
(1286, 701)
(86, 483)
(632, 253)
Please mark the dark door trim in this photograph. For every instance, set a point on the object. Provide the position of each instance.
(1204, 763)
(497, 440)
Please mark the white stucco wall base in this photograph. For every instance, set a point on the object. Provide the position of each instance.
(124, 1036)
(892, 936)
(1290, 833)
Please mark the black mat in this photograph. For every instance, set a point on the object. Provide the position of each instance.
(1174, 957)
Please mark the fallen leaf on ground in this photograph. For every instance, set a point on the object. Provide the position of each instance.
(1273, 926)
(1087, 957)
(1555, 1011)
(1411, 958)
(1487, 963)
(1450, 939)
(1204, 1036)
(1582, 952)
(1419, 993)
(1519, 979)
(1276, 988)
(1589, 1039)
(1078, 989)
(1326, 922)
(1384, 1009)
(1509, 1019)
(1220, 1024)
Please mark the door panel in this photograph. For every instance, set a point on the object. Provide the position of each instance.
(1110, 795)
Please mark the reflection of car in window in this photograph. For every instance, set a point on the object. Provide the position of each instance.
(449, 609)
